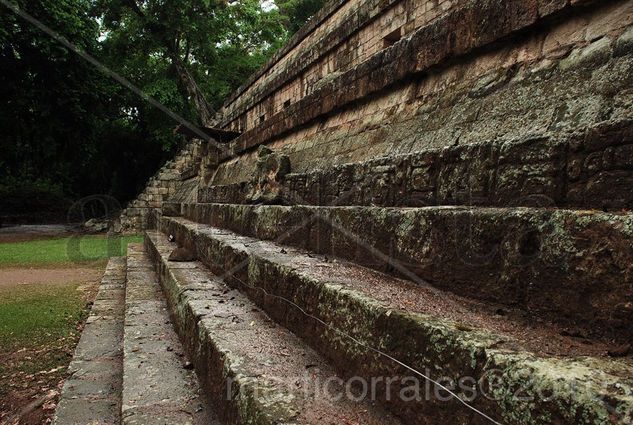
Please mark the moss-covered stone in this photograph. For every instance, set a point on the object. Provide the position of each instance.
(580, 391)
(542, 260)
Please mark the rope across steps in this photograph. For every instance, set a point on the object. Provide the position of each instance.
(573, 267)
(255, 371)
(372, 325)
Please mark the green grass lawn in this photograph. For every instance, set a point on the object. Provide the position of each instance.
(41, 321)
(73, 249)
(39, 328)
(39, 314)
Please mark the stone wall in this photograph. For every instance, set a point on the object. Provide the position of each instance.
(480, 102)
(586, 169)
(480, 72)
(348, 33)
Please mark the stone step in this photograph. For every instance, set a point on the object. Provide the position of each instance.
(158, 388)
(514, 369)
(256, 372)
(588, 169)
(92, 392)
(574, 266)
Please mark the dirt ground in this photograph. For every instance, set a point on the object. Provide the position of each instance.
(24, 233)
(28, 276)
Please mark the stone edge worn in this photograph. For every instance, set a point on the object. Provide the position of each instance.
(252, 401)
(580, 390)
(532, 259)
(92, 392)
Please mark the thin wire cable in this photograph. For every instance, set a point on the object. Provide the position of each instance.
(231, 273)
(345, 334)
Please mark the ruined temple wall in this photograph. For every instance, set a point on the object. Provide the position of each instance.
(348, 33)
(554, 74)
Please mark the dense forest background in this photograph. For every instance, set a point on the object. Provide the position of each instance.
(68, 131)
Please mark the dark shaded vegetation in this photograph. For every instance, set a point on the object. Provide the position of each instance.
(67, 131)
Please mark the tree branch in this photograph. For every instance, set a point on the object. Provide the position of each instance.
(187, 49)
(135, 7)
(205, 110)
(172, 43)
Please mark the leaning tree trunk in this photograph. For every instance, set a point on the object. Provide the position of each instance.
(205, 111)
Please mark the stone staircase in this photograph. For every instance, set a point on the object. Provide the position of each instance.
(478, 284)
(321, 283)
(513, 306)
(172, 178)
(129, 366)
(358, 314)
(404, 247)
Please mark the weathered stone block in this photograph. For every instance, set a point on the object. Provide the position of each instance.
(546, 7)
(593, 55)
(534, 258)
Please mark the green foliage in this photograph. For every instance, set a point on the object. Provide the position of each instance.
(298, 12)
(47, 92)
(220, 43)
(63, 122)
(74, 249)
(23, 196)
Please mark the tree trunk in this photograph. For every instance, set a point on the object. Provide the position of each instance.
(205, 111)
